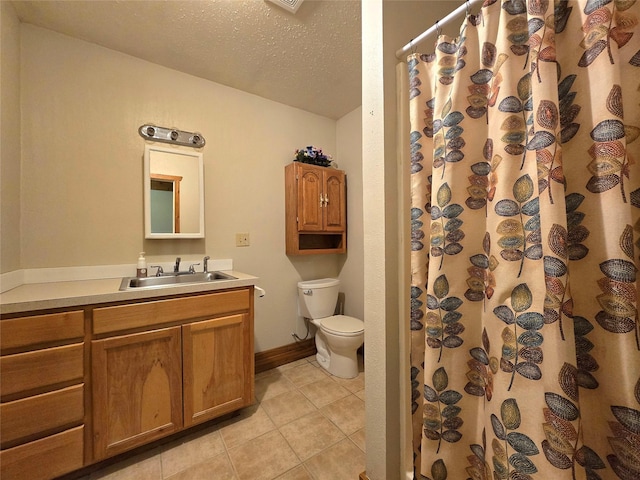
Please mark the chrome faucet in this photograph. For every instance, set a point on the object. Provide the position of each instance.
(176, 267)
(206, 266)
(159, 272)
(192, 267)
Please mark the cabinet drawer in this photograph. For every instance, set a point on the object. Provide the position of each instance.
(123, 317)
(44, 459)
(30, 417)
(40, 329)
(40, 370)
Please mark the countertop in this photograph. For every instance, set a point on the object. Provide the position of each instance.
(44, 296)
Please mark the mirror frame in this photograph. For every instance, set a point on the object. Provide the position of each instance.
(148, 149)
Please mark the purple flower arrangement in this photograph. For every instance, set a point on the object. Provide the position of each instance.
(313, 156)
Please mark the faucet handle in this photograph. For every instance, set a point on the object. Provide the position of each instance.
(205, 260)
(192, 267)
(159, 272)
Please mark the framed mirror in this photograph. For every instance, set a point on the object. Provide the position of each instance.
(173, 193)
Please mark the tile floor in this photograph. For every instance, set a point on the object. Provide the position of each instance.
(306, 424)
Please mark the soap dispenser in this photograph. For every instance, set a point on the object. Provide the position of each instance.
(142, 266)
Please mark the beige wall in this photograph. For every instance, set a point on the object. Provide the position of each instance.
(381, 417)
(82, 169)
(349, 148)
(10, 139)
(387, 26)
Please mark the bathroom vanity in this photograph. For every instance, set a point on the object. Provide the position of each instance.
(89, 377)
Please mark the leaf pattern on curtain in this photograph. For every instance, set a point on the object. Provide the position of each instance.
(525, 244)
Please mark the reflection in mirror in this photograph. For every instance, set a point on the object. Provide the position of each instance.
(174, 193)
(165, 203)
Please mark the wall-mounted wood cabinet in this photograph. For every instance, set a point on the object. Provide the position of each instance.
(315, 209)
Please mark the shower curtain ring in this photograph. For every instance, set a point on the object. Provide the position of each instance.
(468, 5)
(438, 29)
(412, 45)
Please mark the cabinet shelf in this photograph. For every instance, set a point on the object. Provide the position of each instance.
(320, 243)
(315, 210)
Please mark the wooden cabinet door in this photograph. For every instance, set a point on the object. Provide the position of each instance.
(335, 208)
(315, 210)
(137, 389)
(218, 367)
(310, 200)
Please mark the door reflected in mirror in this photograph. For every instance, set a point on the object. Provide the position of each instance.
(174, 193)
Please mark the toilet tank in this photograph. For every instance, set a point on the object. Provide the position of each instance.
(318, 298)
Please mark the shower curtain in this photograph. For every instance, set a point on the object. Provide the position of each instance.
(525, 184)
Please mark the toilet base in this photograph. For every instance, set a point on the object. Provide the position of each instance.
(338, 365)
(343, 366)
(323, 361)
(341, 361)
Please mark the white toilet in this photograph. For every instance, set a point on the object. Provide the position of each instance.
(339, 336)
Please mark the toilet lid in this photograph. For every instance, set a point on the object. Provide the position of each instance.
(342, 325)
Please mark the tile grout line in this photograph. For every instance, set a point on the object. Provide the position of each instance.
(277, 428)
(317, 409)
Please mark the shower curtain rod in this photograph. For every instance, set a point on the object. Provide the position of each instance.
(465, 7)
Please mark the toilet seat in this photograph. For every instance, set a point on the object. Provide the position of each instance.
(342, 325)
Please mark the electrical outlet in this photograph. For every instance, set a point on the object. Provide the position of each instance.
(242, 239)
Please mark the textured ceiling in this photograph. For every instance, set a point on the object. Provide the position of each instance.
(310, 60)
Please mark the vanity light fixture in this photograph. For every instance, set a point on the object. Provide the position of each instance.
(171, 135)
